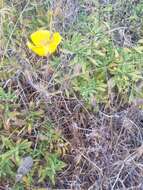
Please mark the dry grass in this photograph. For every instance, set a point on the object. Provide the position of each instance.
(106, 150)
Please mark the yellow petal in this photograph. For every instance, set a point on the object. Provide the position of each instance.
(39, 50)
(52, 48)
(40, 37)
(44, 43)
(56, 38)
(54, 42)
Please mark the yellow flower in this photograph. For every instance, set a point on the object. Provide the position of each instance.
(43, 42)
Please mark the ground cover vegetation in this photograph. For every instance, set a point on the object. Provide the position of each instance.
(71, 94)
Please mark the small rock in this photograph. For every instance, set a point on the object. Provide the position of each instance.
(24, 168)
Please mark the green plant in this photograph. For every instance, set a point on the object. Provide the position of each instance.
(97, 60)
(52, 165)
(49, 149)
(11, 154)
(7, 106)
(6, 96)
(14, 147)
(124, 16)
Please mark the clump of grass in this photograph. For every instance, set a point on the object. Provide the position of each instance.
(99, 68)
(24, 132)
(125, 18)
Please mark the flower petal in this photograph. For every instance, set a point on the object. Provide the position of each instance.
(54, 42)
(43, 42)
(56, 38)
(52, 47)
(40, 37)
(39, 50)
